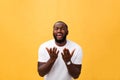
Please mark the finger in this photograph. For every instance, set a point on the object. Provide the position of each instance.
(57, 52)
(72, 52)
(48, 50)
(62, 55)
(54, 49)
(66, 52)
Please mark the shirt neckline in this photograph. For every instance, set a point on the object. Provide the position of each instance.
(61, 46)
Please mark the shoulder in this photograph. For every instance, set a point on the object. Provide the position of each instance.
(73, 44)
(47, 43)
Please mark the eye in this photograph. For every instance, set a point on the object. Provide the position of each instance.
(63, 29)
(55, 28)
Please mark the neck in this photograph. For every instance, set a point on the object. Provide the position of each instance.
(61, 44)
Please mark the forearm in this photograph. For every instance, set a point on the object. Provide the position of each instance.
(74, 70)
(44, 68)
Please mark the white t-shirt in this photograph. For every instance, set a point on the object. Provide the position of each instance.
(59, 70)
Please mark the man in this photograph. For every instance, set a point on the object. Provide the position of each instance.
(59, 59)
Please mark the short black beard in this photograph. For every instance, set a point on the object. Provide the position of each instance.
(59, 41)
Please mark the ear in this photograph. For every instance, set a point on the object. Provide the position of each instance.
(67, 32)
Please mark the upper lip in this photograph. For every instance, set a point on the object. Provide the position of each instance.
(59, 34)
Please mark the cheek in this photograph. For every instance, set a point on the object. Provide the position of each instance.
(65, 32)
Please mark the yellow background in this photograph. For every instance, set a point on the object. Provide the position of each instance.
(25, 24)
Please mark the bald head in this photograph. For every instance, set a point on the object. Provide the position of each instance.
(61, 22)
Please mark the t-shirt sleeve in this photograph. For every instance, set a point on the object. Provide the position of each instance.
(77, 56)
(43, 56)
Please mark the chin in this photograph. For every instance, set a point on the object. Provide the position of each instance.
(60, 40)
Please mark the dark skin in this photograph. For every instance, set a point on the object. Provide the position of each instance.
(60, 32)
(44, 68)
(73, 69)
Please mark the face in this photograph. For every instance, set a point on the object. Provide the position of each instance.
(60, 32)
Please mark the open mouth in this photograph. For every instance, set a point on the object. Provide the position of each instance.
(59, 35)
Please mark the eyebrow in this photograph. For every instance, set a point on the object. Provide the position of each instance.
(60, 27)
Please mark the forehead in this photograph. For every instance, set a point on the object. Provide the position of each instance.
(60, 25)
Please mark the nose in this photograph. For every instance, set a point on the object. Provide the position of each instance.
(59, 30)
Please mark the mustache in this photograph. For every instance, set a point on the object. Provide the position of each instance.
(59, 33)
(59, 41)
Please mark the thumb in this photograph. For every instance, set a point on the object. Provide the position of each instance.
(72, 52)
